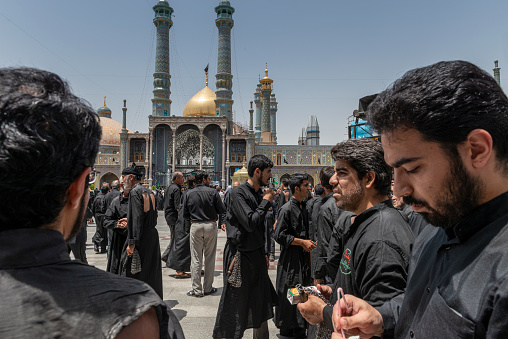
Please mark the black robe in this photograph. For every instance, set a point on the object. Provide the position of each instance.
(294, 265)
(143, 234)
(116, 211)
(251, 304)
(179, 257)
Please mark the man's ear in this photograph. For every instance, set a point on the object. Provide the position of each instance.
(479, 144)
(369, 179)
(76, 189)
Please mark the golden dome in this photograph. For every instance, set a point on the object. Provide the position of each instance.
(241, 175)
(110, 132)
(201, 104)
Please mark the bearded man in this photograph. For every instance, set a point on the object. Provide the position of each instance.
(443, 129)
(377, 244)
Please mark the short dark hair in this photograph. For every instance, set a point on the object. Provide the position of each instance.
(44, 129)
(318, 190)
(444, 102)
(325, 175)
(295, 180)
(200, 175)
(366, 155)
(191, 180)
(285, 182)
(258, 161)
(105, 188)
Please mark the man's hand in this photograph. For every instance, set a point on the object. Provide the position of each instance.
(130, 249)
(122, 223)
(363, 320)
(325, 290)
(275, 225)
(308, 245)
(268, 194)
(312, 309)
(223, 227)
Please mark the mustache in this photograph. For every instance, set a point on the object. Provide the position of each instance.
(410, 200)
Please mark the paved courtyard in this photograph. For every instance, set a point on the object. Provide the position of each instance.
(196, 315)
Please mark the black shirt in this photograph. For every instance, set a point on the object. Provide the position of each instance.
(246, 213)
(172, 201)
(116, 211)
(110, 196)
(327, 217)
(459, 285)
(203, 204)
(44, 294)
(376, 252)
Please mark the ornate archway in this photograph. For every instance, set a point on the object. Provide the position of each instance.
(187, 152)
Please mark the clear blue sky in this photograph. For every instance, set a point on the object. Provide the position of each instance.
(322, 55)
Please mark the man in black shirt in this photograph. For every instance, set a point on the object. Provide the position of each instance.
(172, 201)
(112, 194)
(142, 236)
(202, 206)
(443, 128)
(248, 297)
(292, 233)
(116, 221)
(50, 139)
(284, 195)
(327, 216)
(99, 208)
(377, 246)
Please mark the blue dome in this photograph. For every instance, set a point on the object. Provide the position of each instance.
(104, 112)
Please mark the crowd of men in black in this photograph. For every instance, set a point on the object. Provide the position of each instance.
(412, 229)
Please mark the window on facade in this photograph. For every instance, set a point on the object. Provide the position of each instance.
(233, 157)
(165, 113)
(142, 157)
(244, 158)
(136, 157)
(279, 159)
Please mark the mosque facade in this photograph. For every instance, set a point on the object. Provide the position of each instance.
(205, 136)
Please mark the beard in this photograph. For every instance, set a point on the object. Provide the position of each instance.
(260, 181)
(78, 223)
(349, 201)
(460, 196)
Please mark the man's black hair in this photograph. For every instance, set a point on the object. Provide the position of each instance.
(191, 180)
(105, 189)
(296, 180)
(366, 155)
(200, 175)
(48, 136)
(444, 102)
(285, 182)
(325, 175)
(258, 161)
(318, 190)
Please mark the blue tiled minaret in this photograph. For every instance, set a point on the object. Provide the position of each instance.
(273, 117)
(224, 82)
(161, 79)
(257, 101)
(123, 138)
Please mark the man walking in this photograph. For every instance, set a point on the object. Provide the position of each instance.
(172, 201)
(248, 297)
(203, 206)
(99, 208)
